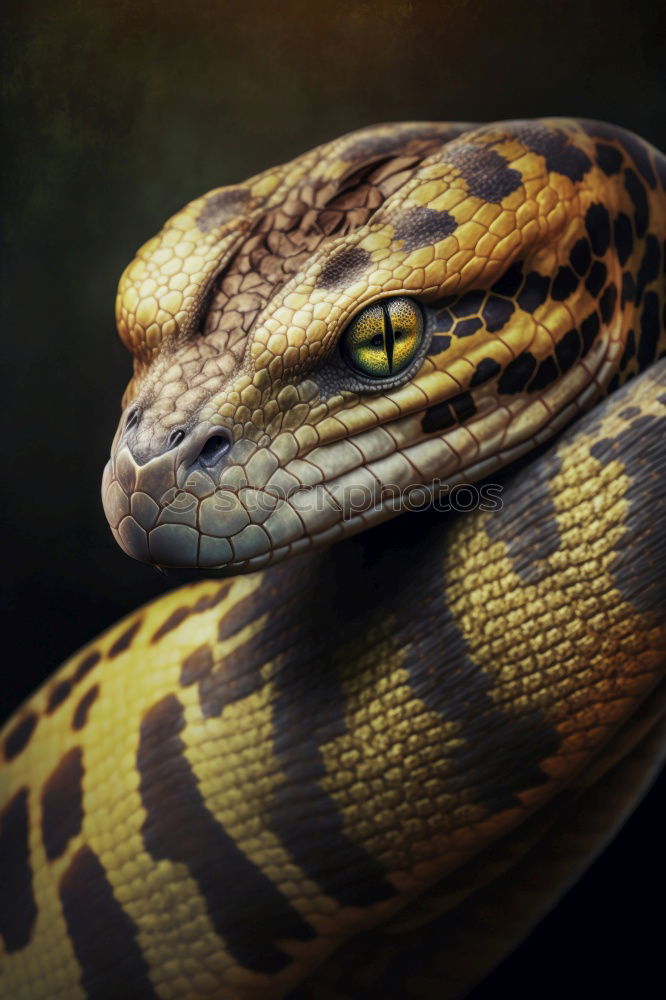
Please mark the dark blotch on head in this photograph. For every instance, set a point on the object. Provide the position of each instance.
(497, 312)
(567, 350)
(639, 198)
(486, 369)
(560, 156)
(419, 227)
(468, 304)
(546, 373)
(564, 284)
(62, 804)
(19, 737)
(628, 288)
(596, 278)
(517, 373)
(439, 344)
(597, 223)
(638, 151)
(466, 327)
(581, 256)
(623, 237)
(509, 283)
(221, 207)
(438, 418)
(18, 909)
(534, 292)
(589, 329)
(80, 716)
(345, 267)
(486, 173)
(124, 641)
(607, 303)
(463, 406)
(609, 158)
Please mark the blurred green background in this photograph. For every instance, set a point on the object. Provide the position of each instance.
(116, 114)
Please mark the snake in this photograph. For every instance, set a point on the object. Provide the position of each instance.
(362, 769)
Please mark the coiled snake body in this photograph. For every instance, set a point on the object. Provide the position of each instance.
(365, 771)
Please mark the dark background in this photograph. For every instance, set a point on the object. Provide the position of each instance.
(118, 113)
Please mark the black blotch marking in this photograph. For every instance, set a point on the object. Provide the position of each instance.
(486, 173)
(597, 223)
(639, 198)
(630, 411)
(560, 156)
(607, 303)
(628, 288)
(418, 227)
(176, 618)
(57, 695)
(565, 283)
(18, 908)
(589, 329)
(196, 665)
(80, 716)
(220, 683)
(124, 641)
(438, 418)
(220, 208)
(104, 937)
(485, 370)
(609, 158)
(466, 327)
(19, 737)
(546, 373)
(614, 383)
(623, 238)
(581, 256)
(62, 804)
(443, 321)
(509, 283)
(468, 304)
(638, 565)
(345, 267)
(567, 350)
(248, 912)
(650, 330)
(517, 373)
(649, 266)
(596, 278)
(497, 312)
(639, 154)
(534, 292)
(439, 344)
(86, 665)
(463, 406)
(629, 350)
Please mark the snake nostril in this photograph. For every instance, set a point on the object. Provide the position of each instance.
(215, 448)
(175, 438)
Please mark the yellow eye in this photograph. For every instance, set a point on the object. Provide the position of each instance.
(383, 339)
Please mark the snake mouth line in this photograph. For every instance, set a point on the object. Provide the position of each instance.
(261, 512)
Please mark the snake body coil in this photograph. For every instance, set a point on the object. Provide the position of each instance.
(368, 770)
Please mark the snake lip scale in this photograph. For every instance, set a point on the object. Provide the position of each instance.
(367, 768)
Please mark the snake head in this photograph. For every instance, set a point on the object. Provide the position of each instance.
(398, 311)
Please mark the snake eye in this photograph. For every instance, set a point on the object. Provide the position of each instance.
(382, 340)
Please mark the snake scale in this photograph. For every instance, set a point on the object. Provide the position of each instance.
(362, 771)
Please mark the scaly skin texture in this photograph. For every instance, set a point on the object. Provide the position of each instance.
(246, 785)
